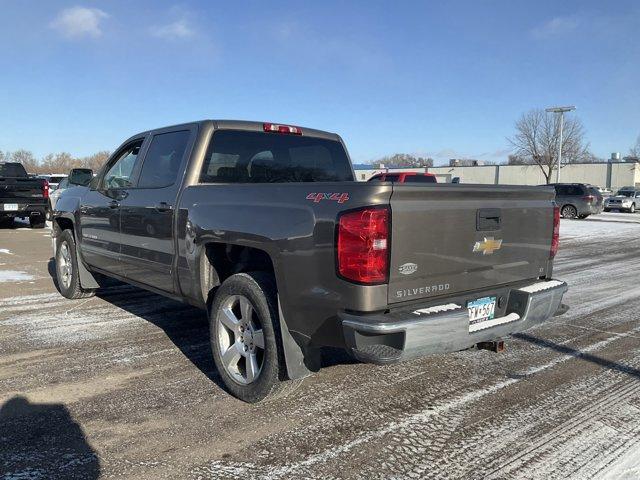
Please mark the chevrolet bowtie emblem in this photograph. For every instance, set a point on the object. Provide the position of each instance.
(487, 246)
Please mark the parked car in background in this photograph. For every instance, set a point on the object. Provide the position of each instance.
(605, 192)
(76, 177)
(627, 199)
(404, 177)
(578, 200)
(54, 180)
(55, 194)
(265, 227)
(22, 195)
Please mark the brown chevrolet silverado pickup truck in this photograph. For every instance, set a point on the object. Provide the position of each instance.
(264, 227)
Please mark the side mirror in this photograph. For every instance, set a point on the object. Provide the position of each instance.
(80, 176)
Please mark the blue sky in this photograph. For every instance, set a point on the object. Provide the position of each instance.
(444, 79)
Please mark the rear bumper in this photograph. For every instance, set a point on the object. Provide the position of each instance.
(591, 210)
(389, 338)
(24, 210)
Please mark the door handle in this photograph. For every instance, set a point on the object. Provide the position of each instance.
(163, 207)
(114, 204)
(489, 219)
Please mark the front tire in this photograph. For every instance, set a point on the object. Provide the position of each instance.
(67, 273)
(632, 209)
(569, 211)
(245, 336)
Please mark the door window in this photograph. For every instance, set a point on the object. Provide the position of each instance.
(162, 161)
(119, 175)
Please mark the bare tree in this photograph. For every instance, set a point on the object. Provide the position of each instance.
(95, 161)
(537, 137)
(27, 159)
(634, 151)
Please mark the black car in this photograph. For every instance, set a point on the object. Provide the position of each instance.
(578, 200)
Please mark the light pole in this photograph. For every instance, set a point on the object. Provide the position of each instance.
(561, 111)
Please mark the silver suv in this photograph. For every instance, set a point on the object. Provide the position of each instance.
(578, 200)
(627, 199)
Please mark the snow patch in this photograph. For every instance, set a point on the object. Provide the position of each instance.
(6, 251)
(626, 467)
(14, 276)
(595, 230)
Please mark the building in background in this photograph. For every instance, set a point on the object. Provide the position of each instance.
(612, 175)
(465, 162)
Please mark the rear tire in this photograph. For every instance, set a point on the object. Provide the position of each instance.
(37, 221)
(569, 211)
(245, 337)
(67, 273)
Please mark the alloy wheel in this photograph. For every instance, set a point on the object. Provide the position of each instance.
(65, 266)
(240, 339)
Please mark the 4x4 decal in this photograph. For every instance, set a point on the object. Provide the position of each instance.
(338, 197)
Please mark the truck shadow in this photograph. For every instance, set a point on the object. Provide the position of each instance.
(186, 326)
(603, 362)
(43, 441)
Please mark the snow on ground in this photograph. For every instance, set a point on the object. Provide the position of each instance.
(5, 251)
(600, 226)
(14, 276)
(626, 467)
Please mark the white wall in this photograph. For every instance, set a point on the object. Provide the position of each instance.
(610, 175)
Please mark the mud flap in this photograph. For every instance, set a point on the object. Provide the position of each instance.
(295, 357)
(87, 280)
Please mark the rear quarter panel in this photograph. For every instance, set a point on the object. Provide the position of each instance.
(297, 230)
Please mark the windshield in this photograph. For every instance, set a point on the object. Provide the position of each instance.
(625, 193)
(12, 170)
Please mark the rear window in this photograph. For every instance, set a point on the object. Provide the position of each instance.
(253, 157)
(56, 179)
(419, 179)
(12, 170)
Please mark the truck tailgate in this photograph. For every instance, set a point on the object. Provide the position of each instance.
(22, 189)
(449, 239)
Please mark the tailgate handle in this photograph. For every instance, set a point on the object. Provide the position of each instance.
(488, 219)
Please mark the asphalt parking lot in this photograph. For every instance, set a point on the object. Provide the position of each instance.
(122, 385)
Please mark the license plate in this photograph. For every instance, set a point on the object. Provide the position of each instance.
(10, 207)
(481, 310)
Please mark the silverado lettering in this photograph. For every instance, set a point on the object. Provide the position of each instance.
(423, 290)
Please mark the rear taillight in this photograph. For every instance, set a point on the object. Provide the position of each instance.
(363, 245)
(589, 198)
(275, 128)
(555, 239)
(45, 189)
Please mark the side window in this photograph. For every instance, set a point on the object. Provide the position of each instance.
(119, 174)
(561, 190)
(163, 159)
